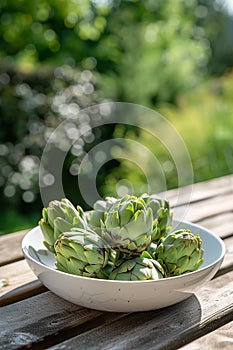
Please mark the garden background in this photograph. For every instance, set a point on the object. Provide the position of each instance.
(60, 56)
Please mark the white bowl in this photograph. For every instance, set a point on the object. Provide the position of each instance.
(123, 296)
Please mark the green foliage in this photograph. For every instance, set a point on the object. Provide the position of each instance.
(160, 55)
(13, 220)
(32, 106)
(155, 46)
(204, 119)
(60, 56)
(49, 31)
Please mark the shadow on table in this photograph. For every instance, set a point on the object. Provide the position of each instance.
(170, 327)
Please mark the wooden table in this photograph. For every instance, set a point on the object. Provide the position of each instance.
(33, 317)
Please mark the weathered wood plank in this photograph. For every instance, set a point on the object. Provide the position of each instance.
(46, 318)
(168, 328)
(15, 275)
(210, 207)
(220, 224)
(22, 292)
(201, 190)
(221, 338)
(10, 247)
(212, 308)
(49, 314)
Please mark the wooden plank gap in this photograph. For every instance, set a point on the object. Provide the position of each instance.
(207, 216)
(11, 261)
(23, 292)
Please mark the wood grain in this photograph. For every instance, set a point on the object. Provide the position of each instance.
(207, 208)
(15, 275)
(200, 191)
(168, 328)
(10, 247)
(46, 321)
(221, 338)
(220, 224)
(22, 292)
(46, 314)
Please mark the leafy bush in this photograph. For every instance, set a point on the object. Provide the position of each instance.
(32, 106)
(204, 119)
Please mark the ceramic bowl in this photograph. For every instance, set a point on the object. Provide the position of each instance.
(123, 296)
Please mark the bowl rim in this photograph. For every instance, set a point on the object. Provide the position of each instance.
(162, 280)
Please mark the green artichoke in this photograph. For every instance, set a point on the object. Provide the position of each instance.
(162, 216)
(58, 217)
(127, 225)
(81, 253)
(180, 252)
(138, 269)
(151, 249)
(96, 215)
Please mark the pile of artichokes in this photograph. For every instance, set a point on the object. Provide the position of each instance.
(125, 238)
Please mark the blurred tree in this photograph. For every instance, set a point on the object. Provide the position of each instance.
(55, 32)
(32, 105)
(214, 18)
(59, 56)
(155, 46)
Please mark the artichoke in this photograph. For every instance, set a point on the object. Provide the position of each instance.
(180, 252)
(127, 225)
(96, 215)
(162, 216)
(138, 269)
(58, 217)
(81, 252)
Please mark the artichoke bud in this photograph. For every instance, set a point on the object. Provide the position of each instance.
(126, 211)
(103, 205)
(47, 233)
(127, 225)
(112, 220)
(60, 216)
(99, 205)
(81, 212)
(62, 225)
(141, 223)
(146, 254)
(85, 252)
(94, 218)
(154, 205)
(180, 252)
(161, 215)
(125, 198)
(110, 201)
(45, 214)
(53, 213)
(151, 249)
(139, 268)
(79, 222)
